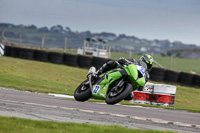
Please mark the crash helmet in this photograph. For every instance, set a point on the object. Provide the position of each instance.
(148, 60)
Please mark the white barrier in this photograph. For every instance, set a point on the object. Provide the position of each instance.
(2, 47)
(155, 94)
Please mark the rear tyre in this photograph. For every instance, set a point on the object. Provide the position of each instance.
(83, 92)
(114, 96)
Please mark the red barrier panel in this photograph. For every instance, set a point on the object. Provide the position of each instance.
(142, 96)
(155, 94)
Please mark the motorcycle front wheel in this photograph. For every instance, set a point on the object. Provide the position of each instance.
(83, 92)
(114, 96)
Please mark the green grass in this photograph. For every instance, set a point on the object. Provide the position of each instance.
(187, 98)
(179, 64)
(39, 76)
(47, 77)
(19, 125)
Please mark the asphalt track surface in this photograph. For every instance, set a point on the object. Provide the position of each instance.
(39, 106)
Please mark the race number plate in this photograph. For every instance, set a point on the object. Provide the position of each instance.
(141, 69)
(96, 89)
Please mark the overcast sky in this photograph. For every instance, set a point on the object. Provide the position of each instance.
(176, 20)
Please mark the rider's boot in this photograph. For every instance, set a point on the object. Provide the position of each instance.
(106, 67)
(129, 97)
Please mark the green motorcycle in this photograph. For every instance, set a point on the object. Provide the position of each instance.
(114, 86)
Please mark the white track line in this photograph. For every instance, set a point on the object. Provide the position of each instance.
(111, 114)
(61, 95)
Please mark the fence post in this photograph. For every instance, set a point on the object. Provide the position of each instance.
(84, 47)
(171, 61)
(109, 51)
(130, 53)
(43, 38)
(65, 45)
(2, 35)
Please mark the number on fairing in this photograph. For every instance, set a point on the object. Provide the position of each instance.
(96, 89)
(141, 69)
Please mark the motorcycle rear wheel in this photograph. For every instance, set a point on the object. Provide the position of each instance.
(83, 92)
(113, 97)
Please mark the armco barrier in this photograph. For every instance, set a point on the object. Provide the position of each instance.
(41, 55)
(84, 61)
(155, 94)
(56, 58)
(70, 60)
(156, 74)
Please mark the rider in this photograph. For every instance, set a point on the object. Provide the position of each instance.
(145, 60)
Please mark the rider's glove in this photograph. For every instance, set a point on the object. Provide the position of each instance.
(132, 60)
(121, 60)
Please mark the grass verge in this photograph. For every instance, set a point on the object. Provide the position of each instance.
(19, 125)
(51, 78)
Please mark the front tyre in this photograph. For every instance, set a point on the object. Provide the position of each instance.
(83, 92)
(114, 96)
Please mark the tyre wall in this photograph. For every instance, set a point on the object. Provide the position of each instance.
(196, 80)
(56, 58)
(156, 74)
(186, 78)
(26, 53)
(15, 52)
(70, 60)
(84, 61)
(171, 76)
(41, 55)
(7, 51)
(97, 62)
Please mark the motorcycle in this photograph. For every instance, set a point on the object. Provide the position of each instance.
(114, 86)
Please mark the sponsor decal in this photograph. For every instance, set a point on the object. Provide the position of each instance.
(96, 89)
(104, 90)
(102, 94)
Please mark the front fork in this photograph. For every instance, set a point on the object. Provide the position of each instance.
(119, 85)
(91, 71)
(90, 81)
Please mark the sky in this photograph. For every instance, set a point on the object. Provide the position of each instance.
(175, 20)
